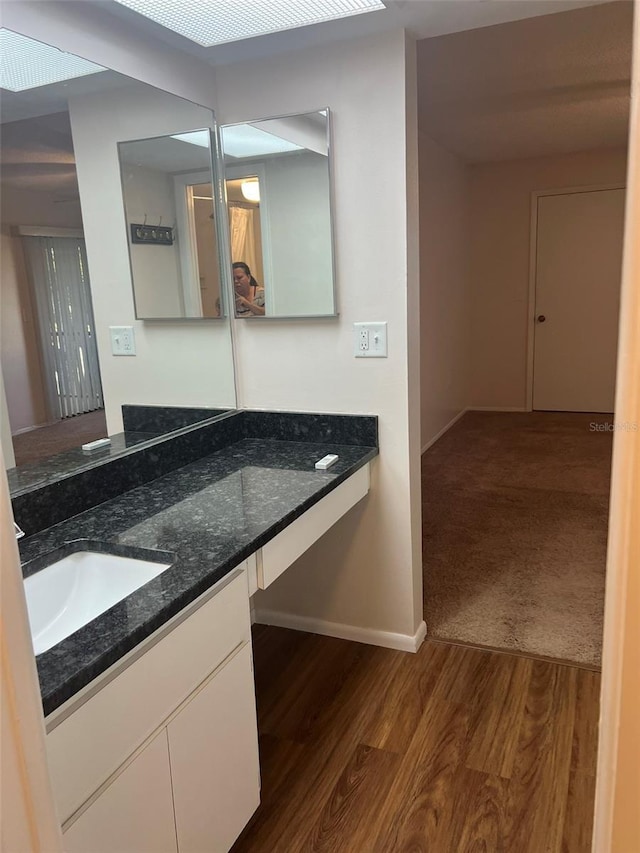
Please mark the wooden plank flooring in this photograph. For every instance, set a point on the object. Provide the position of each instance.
(451, 750)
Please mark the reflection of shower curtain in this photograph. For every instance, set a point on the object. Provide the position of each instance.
(243, 241)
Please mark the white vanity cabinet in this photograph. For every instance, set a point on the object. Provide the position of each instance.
(163, 756)
(274, 558)
(160, 754)
(134, 812)
(213, 747)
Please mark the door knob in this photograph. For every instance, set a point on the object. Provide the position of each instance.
(541, 318)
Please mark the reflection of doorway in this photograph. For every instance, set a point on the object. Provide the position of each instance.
(577, 261)
(199, 262)
(206, 250)
(257, 245)
(59, 277)
(244, 226)
(49, 358)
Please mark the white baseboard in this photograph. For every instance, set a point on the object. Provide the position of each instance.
(371, 636)
(443, 430)
(498, 409)
(34, 427)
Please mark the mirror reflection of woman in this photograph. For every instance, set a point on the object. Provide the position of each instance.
(249, 294)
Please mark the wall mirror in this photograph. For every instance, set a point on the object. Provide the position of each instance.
(169, 210)
(66, 275)
(278, 185)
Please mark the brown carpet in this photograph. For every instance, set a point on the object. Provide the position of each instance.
(46, 441)
(514, 533)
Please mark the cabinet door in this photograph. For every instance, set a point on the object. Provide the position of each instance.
(213, 744)
(134, 814)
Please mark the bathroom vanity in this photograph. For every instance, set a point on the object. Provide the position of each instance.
(150, 707)
(175, 764)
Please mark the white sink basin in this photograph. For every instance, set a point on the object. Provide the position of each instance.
(69, 593)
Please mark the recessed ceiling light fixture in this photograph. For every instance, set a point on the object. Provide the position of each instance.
(250, 190)
(210, 22)
(27, 64)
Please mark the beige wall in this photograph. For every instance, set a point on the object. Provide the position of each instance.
(500, 198)
(19, 350)
(29, 821)
(617, 818)
(24, 206)
(5, 428)
(444, 294)
(366, 571)
(183, 363)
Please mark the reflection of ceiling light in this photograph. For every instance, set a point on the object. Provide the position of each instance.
(26, 64)
(210, 22)
(195, 137)
(243, 140)
(250, 190)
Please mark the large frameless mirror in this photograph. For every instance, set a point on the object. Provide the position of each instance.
(168, 200)
(66, 301)
(278, 186)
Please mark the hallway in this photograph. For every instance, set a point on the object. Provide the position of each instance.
(514, 532)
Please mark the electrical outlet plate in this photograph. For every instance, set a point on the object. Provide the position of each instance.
(370, 340)
(123, 341)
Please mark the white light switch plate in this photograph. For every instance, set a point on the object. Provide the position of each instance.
(123, 341)
(370, 340)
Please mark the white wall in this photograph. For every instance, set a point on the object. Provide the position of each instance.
(500, 210)
(178, 363)
(445, 311)
(366, 572)
(149, 197)
(297, 190)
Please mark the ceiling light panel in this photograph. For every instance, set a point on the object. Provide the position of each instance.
(210, 22)
(194, 137)
(27, 64)
(243, 140)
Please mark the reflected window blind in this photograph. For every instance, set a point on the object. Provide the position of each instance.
(60, 280)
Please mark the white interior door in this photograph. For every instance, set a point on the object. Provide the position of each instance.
(578, 271)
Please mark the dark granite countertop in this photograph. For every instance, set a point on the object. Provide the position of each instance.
(142, 425)
(211, 514)
(36, 474)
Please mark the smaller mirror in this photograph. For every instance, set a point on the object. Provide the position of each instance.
(168, 201)
(278, 187)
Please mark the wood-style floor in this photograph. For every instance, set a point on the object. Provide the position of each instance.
(67, 434)
(451, 749)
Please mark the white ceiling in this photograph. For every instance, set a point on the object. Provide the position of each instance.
(15, 106)
(421, 18)
(541, 86)
(537, 86)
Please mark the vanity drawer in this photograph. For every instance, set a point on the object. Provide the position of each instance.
(278, 554)
(91, 743)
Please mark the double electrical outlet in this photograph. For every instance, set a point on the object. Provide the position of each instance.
(370, 340)
(123, 341)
